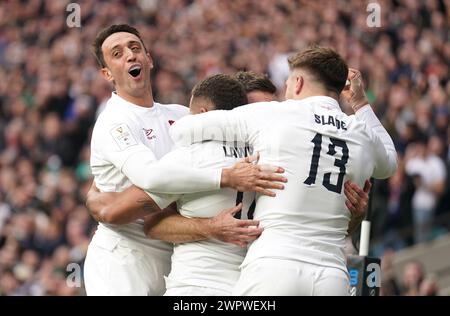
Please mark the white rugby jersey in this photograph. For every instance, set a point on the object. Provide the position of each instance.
(207, 263)
(127, 142)
(320, 147)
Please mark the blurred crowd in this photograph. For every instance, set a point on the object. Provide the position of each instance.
(51, 93)
(413, 281)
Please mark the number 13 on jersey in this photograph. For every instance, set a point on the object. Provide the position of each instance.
(340, 163)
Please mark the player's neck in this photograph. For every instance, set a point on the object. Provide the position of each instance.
(316, 93)
(145, 100)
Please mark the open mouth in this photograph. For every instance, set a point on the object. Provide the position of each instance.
(135, 71)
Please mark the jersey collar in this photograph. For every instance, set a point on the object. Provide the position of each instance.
(116, 99)
(322, 100)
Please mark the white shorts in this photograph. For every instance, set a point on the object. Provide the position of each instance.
(279, 277)
(116, 266)
(175, 288)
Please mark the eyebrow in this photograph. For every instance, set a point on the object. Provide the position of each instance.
(128, 43)
(134, 42)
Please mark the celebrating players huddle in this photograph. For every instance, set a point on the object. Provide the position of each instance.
(236, 198)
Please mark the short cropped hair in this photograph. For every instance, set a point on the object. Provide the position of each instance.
(255, 82)
(222, 90)
(325, 64)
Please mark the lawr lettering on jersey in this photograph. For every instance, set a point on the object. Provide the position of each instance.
(237, 152)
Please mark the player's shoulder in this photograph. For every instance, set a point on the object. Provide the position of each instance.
(112, 121)
(110, 117)
(261, 105)
(114, 109)
(175, 109)
(358, 127)
(258, 109)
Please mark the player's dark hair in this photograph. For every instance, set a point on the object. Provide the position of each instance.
(325, 64)
(255, 82)
(222, 90)
(105, 33)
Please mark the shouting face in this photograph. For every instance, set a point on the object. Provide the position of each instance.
(127, 64)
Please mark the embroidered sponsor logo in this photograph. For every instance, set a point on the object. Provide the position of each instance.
(123, 136)
(148, 133)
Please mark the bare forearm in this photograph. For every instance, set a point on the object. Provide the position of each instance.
(172, 227)
(120, 208)
(96, 201)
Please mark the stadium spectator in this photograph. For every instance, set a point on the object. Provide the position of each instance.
(429, 173)
(413, 275)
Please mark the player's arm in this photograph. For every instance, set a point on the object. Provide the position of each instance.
(385, 153)
(141, 167)
(220, 125)
(357, 201)
(119, 207)
(168, 225)
(172, 227)
(384, 149)
(170, 178)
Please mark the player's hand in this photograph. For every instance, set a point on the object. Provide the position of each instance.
(225, 227)
(247, 175)
(94, 188)
(354, 93)
(357, 198)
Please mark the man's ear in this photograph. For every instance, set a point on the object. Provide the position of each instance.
(106, 73)
(151, 60)
(299, 83)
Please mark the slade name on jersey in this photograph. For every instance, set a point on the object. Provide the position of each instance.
(330, 120)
